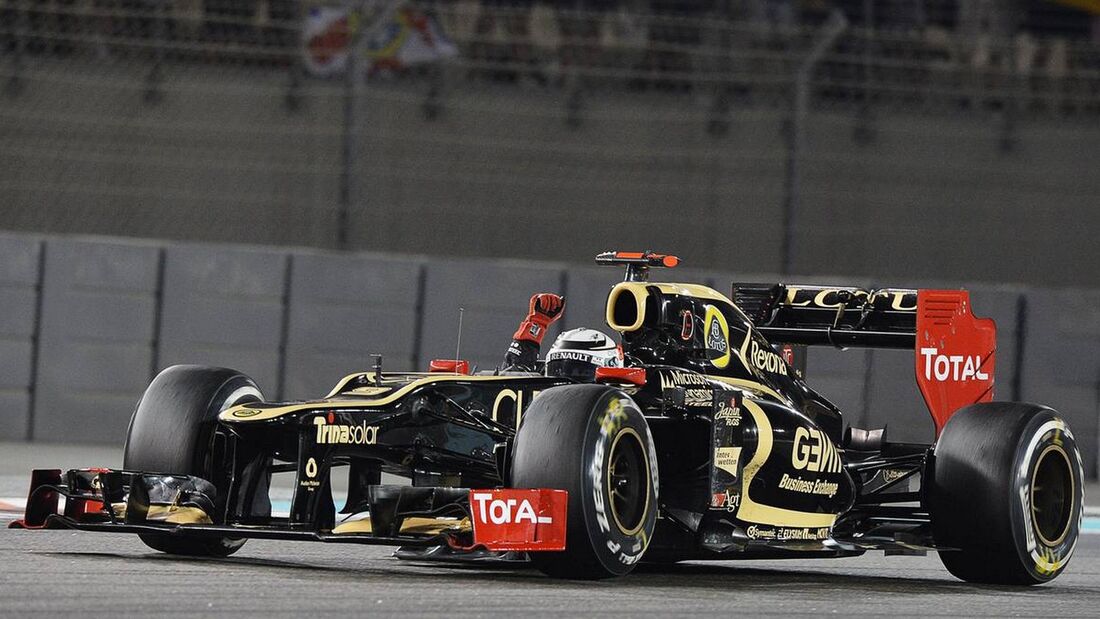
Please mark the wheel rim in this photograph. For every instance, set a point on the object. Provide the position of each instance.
(1052, 491)
(628, 481)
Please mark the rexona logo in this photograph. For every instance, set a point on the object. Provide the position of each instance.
(767, 360)
(507, 511)
(960, 368)
(339, 434)
(813, 451)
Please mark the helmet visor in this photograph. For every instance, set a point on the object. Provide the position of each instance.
(584, 371)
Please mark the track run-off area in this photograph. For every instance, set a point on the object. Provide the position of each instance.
(65, 572)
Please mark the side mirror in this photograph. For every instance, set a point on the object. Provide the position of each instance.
(451, 366)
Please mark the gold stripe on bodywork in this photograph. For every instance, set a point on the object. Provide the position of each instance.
(171, 514)
(640, 294)
(750, 385)
(751, 511)
(342, 386)
(247, 413)
(412, 525)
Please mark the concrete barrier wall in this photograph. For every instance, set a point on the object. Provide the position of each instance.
(86, 323)
(226, 307)
(20, 263)
(99, 308)
(344, 308)
(1061, 365)
(494, 296)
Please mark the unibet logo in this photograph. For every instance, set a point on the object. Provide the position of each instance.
(338, 434)
(507, 511)
(952, 367)
(813, 451)
(767, 360)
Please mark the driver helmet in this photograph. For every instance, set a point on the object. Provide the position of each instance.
(578, 352)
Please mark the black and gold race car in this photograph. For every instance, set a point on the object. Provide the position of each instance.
(706, 444)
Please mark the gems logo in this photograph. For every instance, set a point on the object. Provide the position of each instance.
(814, 452)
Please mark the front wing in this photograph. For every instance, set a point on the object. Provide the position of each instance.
(497, 519)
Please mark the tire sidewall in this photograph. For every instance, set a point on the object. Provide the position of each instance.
(1044, 560)
(171, 432)
(618, 551)
(195, 431)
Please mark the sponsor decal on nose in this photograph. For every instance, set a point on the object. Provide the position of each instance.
(519, 519)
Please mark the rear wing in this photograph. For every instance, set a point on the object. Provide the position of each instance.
(819, 316)
(953, 351)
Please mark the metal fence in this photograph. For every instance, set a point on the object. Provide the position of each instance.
(555, 132)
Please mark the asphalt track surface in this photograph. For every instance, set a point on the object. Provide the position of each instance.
(62, 572)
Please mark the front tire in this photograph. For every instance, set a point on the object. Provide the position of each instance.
(594, 443)
(171, 432)
(1006, 491)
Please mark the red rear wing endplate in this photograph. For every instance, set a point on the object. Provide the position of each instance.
(954, 353)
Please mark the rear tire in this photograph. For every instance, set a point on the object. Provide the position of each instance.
(1006, 491)
(594, 443)
(171, 432)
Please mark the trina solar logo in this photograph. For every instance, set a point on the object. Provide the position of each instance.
(339, 434)
(506, 511)
(952, 367)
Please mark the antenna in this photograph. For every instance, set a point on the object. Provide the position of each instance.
(458, 344)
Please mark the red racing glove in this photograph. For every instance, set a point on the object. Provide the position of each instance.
(546, 307)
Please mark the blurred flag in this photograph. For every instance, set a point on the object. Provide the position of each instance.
(326, 39)
(410, 38)
(406, 37)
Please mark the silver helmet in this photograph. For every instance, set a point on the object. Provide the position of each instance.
(578, 352)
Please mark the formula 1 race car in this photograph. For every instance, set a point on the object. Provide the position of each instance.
(706, 444)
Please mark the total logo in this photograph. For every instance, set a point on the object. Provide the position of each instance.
(329, 433)
(507, 511)
(960, 368)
